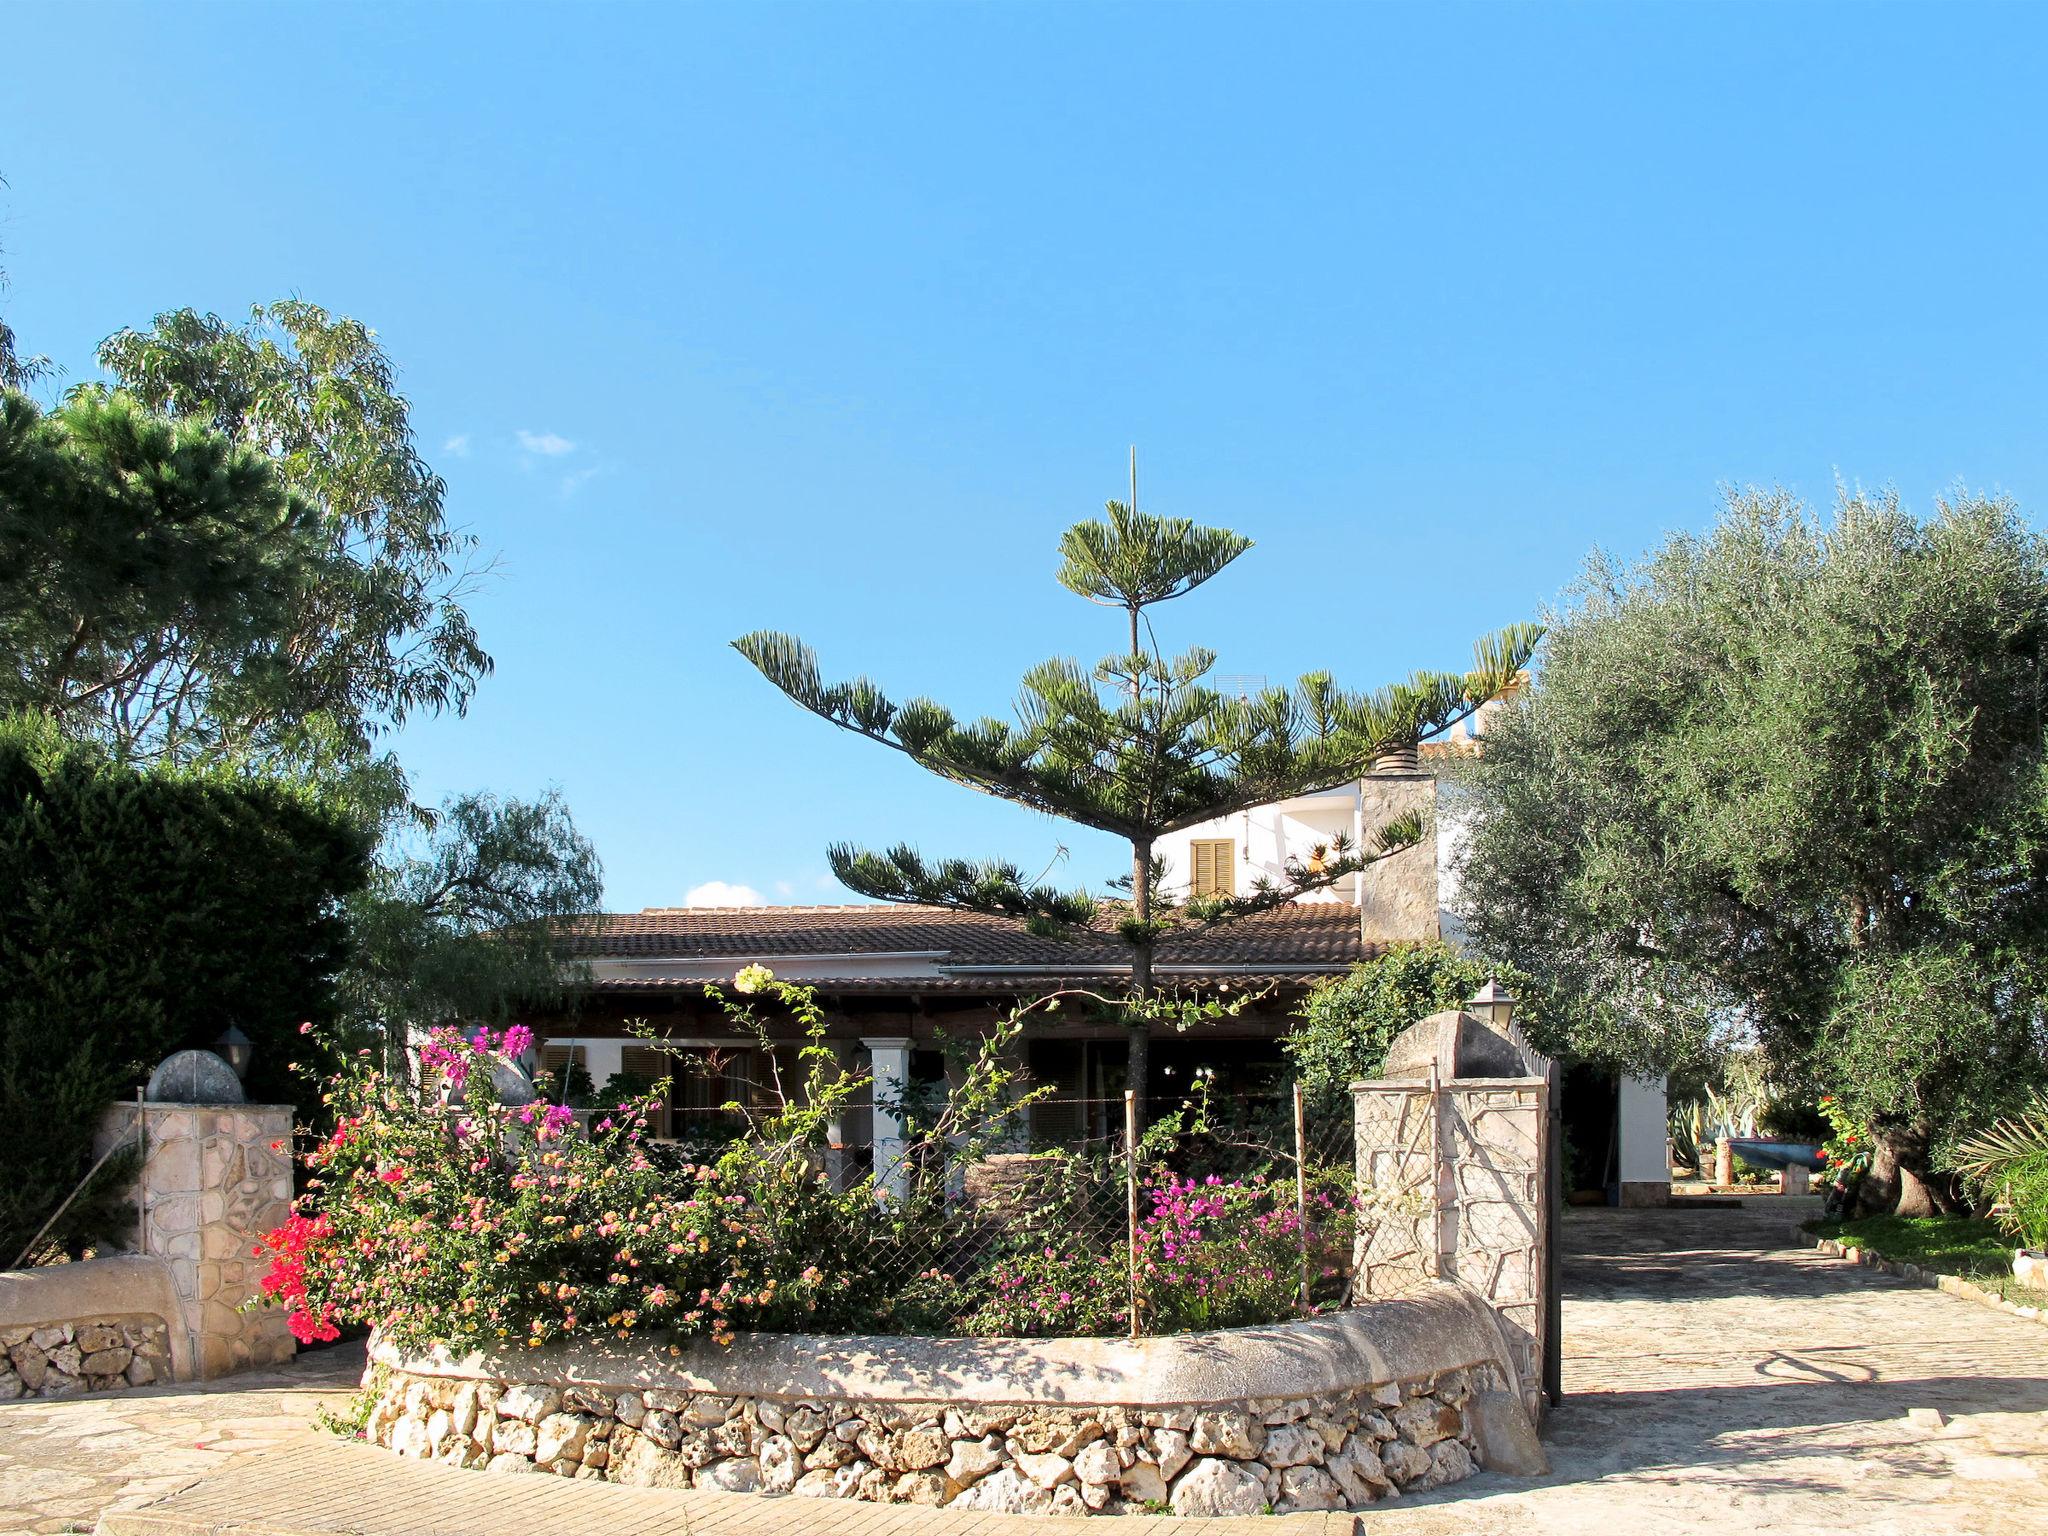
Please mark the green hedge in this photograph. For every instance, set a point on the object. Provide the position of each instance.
(142, 912)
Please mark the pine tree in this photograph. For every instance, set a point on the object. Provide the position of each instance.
(1139, 746)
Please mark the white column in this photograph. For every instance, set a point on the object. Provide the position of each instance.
(890, 1059)
(1645, 1175)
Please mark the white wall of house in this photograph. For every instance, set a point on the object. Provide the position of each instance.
(1263, 839)
(1645, 1165)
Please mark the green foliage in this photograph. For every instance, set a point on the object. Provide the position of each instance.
(2009, 1162)
(383, 635)
(1921, 1037)
(119, 527)
(623, 1087)
(459, 919)
(1131, 560)
(1786, 780)
(140, 913)
(1949, 1245)
(1845, 1153)
(1342, 1029)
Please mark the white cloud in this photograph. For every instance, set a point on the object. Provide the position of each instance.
(784, 889)
(457, 446)
(545, 443)
(571, 484)
(717, 893)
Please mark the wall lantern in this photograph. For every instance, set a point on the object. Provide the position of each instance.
(235, 1049)
(1492, 1003)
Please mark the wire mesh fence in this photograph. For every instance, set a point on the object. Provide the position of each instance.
(1217, 1213)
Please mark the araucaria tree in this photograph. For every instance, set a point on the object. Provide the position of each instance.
(1787, 781)
(1138, 746)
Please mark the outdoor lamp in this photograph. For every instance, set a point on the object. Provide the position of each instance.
(1493, 1004)
(235, 1049)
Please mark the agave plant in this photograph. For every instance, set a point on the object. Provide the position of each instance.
(2010, 1163)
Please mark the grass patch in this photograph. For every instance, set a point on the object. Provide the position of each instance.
(1951, 1245)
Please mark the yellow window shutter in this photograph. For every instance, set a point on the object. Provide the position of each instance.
(1215, 872)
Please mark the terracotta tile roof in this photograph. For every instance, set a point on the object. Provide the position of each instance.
(1324, 935)
(1008, 984)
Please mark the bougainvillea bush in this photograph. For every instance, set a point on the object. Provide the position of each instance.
(441, 1216)
(1227, 1253)
(452, 1218)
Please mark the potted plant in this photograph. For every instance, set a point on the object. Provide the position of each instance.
(2009, 1162)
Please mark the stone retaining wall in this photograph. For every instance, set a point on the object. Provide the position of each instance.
(1327, 1452)
(1385, 1398)
(104, 1355)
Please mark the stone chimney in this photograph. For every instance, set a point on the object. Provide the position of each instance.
(1398, 895)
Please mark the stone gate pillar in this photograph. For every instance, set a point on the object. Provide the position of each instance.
(214, 1178)
(1453, 1155)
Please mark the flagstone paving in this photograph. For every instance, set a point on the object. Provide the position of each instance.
(1721, 1383)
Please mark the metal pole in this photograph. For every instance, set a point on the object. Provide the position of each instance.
(141, 1183)
(1301, 1191)
(1434, 1259)
(1131, 1198)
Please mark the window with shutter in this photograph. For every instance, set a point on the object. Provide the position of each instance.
(1215, 871)
(557, 1057)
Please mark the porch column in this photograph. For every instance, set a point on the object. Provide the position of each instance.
(889, 1056)
(1642, 1139)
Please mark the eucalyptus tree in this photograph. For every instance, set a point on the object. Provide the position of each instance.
(383, 635)
(1139, 745)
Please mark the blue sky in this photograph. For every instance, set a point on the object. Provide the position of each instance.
(830, 319)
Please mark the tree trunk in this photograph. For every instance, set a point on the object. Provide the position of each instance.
(1138, 1028)
(1900, 1181)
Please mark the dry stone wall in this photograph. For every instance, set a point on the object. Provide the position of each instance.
(1334, 1451)
(107, 1355)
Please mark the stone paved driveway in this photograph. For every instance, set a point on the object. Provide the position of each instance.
(1721, 1384)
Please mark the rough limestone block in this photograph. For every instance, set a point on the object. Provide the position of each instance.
(1215, 1487)
(1504, 1436)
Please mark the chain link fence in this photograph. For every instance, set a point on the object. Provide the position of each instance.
(1221, 1212)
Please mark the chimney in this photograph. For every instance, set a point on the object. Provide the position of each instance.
(1402, 759)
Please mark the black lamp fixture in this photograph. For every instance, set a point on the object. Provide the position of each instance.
(235, 1048)
(1493, 1003)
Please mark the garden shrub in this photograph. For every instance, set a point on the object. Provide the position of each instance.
(142, 912)
(2009, 1164)
(1345, 1026)
(454, 1219)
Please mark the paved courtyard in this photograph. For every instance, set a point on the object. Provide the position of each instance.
(1720, 1382)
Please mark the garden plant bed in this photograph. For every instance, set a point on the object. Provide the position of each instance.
(1962, 1256)
(1328, 1413)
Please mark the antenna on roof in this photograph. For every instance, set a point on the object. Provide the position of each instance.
(1243, 684)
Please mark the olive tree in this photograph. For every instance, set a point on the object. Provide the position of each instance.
(1785, 782)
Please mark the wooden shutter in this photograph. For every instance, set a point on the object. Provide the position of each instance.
(645, 1060)
(1215, 871)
